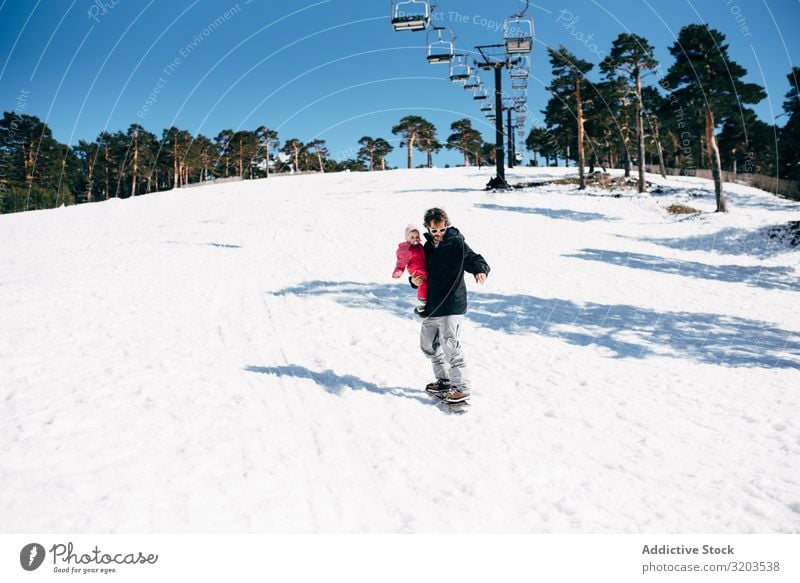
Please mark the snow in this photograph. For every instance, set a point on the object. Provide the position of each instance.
(237, 358)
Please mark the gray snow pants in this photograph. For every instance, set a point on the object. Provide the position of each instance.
(439, 341)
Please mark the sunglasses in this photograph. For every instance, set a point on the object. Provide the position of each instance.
(435, 231)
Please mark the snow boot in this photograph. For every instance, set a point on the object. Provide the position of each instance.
(455, 396)
(439, 388)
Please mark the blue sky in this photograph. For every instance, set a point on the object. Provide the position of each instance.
(329, 69)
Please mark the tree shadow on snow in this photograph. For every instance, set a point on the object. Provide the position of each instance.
(224, 246)
(626, 331)
(763, 277)
(419, 190)
(563, 214)
(730, 241)
(335, 383)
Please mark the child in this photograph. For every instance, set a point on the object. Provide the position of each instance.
(411, 256)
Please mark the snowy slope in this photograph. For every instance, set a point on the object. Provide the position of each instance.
(237, 358)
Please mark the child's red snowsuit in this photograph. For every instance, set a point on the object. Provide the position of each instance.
(412, 257)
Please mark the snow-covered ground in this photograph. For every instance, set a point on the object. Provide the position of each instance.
(237, 358)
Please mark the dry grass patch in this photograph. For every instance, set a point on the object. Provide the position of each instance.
(681, 209)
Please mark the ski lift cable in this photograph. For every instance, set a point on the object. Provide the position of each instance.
(524, 10)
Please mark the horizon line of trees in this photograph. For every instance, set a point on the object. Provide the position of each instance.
(36, 171)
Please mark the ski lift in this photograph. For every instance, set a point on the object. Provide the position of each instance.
(410, 14)
(440, 49)
(481, 93)
(521, 68)
(519, 83)
(518, 32)
(460, 70)
(486, 107)
(473, 83)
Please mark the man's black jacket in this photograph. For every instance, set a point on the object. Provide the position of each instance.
(446, 264)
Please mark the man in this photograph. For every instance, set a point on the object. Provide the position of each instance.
(448, 256)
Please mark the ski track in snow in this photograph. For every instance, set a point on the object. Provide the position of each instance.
(237, 358)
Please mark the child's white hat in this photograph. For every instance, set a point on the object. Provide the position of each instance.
(409, 229)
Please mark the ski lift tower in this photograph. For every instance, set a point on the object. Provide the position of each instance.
(495, 58)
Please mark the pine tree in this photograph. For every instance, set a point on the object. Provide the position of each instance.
(705, 79)
(539, 141)
(652, 104)
(206, 154)
(269, 140)
(142, 144)
(88, 154)
(465, 139)
(633, 55)
(175, 146)
(568, 78)
(223, 141)
(244, 149)
(790, 134)
(429, 142)
(606, 123)
(317, 149)
(382, 148)
(413, 129)
(367, 151)
(294, 147)
(747, 144)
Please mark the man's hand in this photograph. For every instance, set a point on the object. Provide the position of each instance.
(397, 274)
(417, 280)
(480, 278)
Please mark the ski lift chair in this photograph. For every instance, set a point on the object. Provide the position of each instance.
(460, 70)
(481, 93)
(518, 34)
(440, 50)
(410, 14)
(473, 83)
(486, 107)
(519, 83)
(521, 68)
